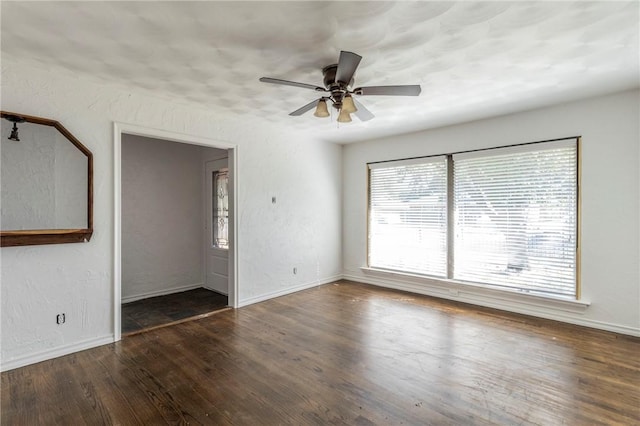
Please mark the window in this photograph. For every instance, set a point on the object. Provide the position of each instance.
(503, 217)
(408, 216)
(220, 199)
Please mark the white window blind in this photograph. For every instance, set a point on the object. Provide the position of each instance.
(515, 215)
(408, 216)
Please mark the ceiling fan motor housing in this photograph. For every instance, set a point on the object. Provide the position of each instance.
(338, 89)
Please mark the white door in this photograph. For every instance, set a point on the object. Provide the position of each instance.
(217, 226)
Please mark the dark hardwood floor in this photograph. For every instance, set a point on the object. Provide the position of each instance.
(342, 353)
(165, 310)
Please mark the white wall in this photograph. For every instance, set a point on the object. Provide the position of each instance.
(610, 190)
(40, 281)
(300, 230)
(162, 233)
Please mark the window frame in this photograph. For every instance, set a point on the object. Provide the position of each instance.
(450, 227)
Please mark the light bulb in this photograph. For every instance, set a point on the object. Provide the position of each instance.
(348, 105)
(344, 117)
(321, 109)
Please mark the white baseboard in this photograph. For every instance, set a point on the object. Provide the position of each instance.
(162, 292)
(55, 352)
(553, 310)
(289, 290)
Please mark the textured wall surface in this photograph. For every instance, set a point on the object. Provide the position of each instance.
(162, 206)
(610, 190)
(40, 281)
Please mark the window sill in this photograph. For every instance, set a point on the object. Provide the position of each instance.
(472, 293)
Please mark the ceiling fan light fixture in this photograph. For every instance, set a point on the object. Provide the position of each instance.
(348, 106)
(337, 80)
(344, 116)
(321, 109)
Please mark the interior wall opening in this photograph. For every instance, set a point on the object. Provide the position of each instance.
(171, 198)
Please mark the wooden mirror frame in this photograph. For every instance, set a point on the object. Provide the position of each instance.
(53, 236)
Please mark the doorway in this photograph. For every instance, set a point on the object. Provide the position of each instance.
(152, 241)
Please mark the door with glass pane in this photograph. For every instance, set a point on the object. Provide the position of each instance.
(217, 225)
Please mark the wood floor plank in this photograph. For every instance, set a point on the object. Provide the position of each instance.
(342, 353)
(18, 385)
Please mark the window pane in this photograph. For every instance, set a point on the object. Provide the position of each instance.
(515, 219)
(407, 217)
(220, 219)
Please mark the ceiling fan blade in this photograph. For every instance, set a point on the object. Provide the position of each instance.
(291, 83)
(361, 112)
(409, 90)
(307, 107)
(347, 65)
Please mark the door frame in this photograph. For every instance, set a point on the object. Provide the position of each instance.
(130, 129)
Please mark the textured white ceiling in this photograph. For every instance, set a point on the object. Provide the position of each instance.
(472, 59)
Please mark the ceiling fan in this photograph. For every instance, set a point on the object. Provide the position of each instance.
(338, 80)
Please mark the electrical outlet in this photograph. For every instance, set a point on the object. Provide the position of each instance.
(453, 292)
(60, 319)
